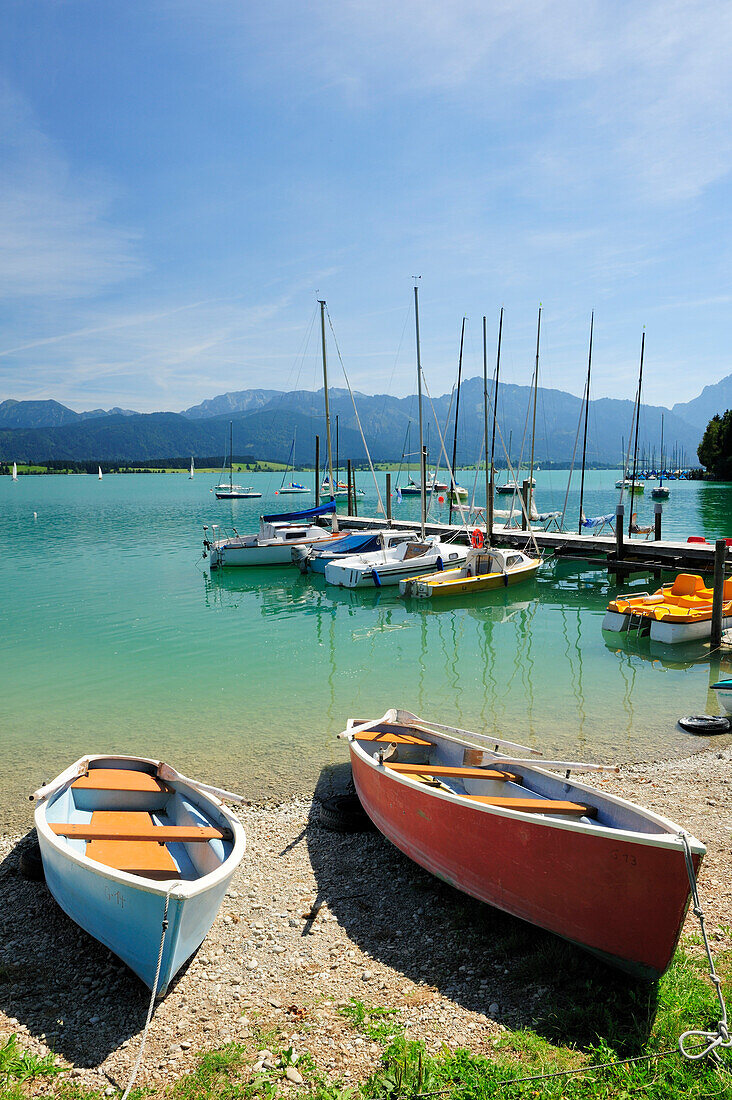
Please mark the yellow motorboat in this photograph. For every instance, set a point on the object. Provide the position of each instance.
(484, 569)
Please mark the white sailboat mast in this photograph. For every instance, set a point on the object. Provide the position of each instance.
(423, 497)
(327, 405)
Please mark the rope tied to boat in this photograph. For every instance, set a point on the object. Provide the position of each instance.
(164, 929)
(721, 1037)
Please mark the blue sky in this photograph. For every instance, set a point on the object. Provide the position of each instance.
(180, 180)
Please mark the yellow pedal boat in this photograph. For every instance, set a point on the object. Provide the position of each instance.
(484, 570)
(679, 612)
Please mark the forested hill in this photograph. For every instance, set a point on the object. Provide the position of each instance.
(264, 428)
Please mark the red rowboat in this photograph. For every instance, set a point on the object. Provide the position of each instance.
(597, 870)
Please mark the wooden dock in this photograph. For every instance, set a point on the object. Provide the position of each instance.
(638, 555)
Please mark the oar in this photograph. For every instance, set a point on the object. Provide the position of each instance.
(405, 717)
(166, 772)
(72, 772)
(568, 765)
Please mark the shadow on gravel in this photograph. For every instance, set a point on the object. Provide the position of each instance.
(64, 986)
(468, 951)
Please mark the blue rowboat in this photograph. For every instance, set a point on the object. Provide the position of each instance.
(121, 838)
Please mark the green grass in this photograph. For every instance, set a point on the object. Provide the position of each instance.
(599, 1018)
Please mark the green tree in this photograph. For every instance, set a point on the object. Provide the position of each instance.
(715, 449)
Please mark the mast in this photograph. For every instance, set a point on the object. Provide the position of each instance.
(419, 399)
(457, 410)
(530, 501)
(587, 410)
(490, 484)
(637, 422)
(231, 455)
(327, 406)
(661, 470)
(338, 460)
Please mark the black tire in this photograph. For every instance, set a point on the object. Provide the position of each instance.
(705, 723)
(343, 813)
(30, 864)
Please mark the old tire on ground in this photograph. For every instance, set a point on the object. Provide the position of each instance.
(343, 813)
(705, 723)
(30, 863)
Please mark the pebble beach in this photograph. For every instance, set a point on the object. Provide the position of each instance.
(314, 918)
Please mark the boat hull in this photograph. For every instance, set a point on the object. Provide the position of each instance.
(254, 553)
(623, 900)
(127, 918)
(451, 583)
(343, 575)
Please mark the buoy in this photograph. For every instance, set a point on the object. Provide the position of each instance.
(476, 539)
(705, 723)
(441, 500)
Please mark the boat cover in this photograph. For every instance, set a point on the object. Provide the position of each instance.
(322, 510)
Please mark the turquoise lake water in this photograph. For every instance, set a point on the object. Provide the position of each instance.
(115, 637)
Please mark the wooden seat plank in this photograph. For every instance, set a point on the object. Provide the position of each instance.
(456, 772)
(132, 831)
(133, 856)
(120, 779)
(537, 806)
(391, 738)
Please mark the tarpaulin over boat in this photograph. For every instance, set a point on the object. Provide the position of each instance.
(322, 510)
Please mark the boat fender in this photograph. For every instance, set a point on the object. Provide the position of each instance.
(343, 813)
(476, 539)
(376, 578)
(505, 580)
(705, 723)
(439, 564)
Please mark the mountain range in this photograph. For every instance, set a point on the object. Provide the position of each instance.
(265, 422)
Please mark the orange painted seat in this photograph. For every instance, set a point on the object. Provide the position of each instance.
(137, 857)
(457, 772)
(119, 779)
(390, 738)
(537, 806)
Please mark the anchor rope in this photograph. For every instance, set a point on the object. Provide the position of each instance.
(164, 929)
(720, 1037)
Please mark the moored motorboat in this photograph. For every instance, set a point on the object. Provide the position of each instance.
(274, 542)
(391, 564)
(123, 838)
(313, 559)
(593, 868)
(483, 570)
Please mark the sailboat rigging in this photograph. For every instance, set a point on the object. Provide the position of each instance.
(293, 486)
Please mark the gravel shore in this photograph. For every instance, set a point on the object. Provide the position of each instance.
(314, 918)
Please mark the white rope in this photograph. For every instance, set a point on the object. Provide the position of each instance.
(164, 929)
(720, 1037)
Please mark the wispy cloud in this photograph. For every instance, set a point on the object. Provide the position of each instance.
(56, 238)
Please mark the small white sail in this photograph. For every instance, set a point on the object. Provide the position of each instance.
(100, 472)
(15, 471)
(190, 476)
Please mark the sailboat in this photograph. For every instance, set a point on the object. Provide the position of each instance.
(15, 471)
(190, 475)
(232, 491)
(661, 491)
(99, 475)
(292, 486)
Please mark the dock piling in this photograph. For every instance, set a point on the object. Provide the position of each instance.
(657, 513)
(720, 555)
(388, 498)
(348, 483)
(525, 497)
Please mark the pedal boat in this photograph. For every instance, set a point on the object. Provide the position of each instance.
(681, 612)
(595, 869)
(483, 571)
(120, 833)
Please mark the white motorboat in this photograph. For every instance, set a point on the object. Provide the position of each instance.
(390, 565)
(274, 542)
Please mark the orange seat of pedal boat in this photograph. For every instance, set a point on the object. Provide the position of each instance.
(457, 772)
(686, 584)
(137, 857)
(537, 805)
(119, 779)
